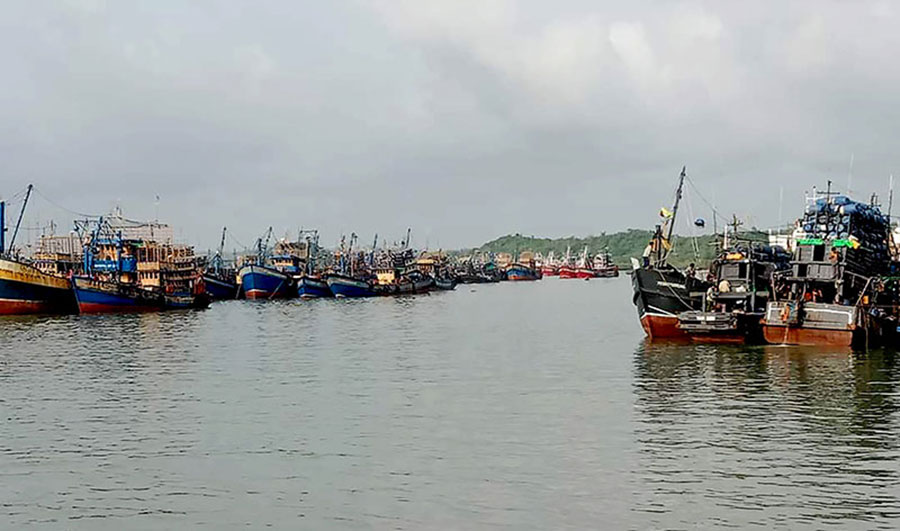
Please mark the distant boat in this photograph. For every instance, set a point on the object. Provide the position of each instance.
(345, 286)
(523, 268)
(219, 287)
(220, 280)
(262, 282)
(313, 287)
(98, 296)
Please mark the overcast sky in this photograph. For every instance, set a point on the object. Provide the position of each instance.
(463, 119)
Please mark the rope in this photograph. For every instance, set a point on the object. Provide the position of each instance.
(69, 210)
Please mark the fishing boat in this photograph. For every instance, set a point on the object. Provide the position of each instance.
(265, 282)
(736, 301)
(220, 280)
(24, 289)
(842, 287)
(660, 291)
(523, 269)
(271, 276)
(583, 268)
(311, 284)
(123, 272)
(351, 278)
(603, 266)
(345, 286)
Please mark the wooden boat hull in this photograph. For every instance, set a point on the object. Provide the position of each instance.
(95, 296)
(608, 272)
(549, 271)
(584, 273)
(261, 282)
(348, 287)
(445, 284)
(27, 290)
(659, 296)
(313, 288)
(519, 272)
(567, 272)
(219, 289)
(785, 335)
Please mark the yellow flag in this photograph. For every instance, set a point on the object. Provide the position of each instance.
(665, 213)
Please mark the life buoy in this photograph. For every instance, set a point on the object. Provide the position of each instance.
(170, 289)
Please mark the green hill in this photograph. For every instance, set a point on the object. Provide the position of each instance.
(622, 245)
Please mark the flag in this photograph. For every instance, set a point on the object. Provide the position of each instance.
(665, 213)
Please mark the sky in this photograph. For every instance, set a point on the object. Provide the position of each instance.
(462, 119)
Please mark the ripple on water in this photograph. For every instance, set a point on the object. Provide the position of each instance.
(520, 406)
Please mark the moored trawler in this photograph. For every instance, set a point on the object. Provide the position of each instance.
(736, 302)
(660, 291)
(124, 272)
(272, 276)
(263, 282)
(220, 278)
(523, 268)
(24, 289)
(842, 287)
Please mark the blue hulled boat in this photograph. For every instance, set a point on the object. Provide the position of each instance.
(262, 282)
(310, 287)
(219, 288)
(344, 286)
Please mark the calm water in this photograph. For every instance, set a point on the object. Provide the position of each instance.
(512, 406)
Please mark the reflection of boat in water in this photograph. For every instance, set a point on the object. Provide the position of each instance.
(660, 291)
(795, 412)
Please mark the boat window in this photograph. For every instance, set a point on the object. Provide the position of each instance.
(819, 253)
(742, 270)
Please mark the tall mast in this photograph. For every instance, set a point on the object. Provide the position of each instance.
(12, 241)
(678, 193)
(2, 226)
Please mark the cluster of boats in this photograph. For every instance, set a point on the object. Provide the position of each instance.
(834, 281)
(111, 264)
(584, 267)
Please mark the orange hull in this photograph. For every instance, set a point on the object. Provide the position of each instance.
(662, 327)
(783, 335)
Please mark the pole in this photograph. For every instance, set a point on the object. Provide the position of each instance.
(19, 221)
(2, 227)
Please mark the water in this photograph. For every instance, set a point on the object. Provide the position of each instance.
(511, 406)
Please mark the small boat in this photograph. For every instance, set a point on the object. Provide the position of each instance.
(549, 268)
(523, 269)
(603, 266)
(445, 283)
(220, 280)
(313, 287)
(24, 289)
(310, 284)
(345, 286)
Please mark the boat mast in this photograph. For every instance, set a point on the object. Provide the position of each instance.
(2, 226)
(12, 241)
(671, 228)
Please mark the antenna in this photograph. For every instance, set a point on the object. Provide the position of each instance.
(850, 177)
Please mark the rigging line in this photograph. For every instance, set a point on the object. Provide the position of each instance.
(702, 198)
(69, 210)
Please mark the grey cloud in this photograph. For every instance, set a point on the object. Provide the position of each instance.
(464, 120)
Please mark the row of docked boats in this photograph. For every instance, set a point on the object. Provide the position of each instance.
(835, 284)
(584, 267)
(112, 264)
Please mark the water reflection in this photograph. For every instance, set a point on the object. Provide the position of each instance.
(778, 437)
